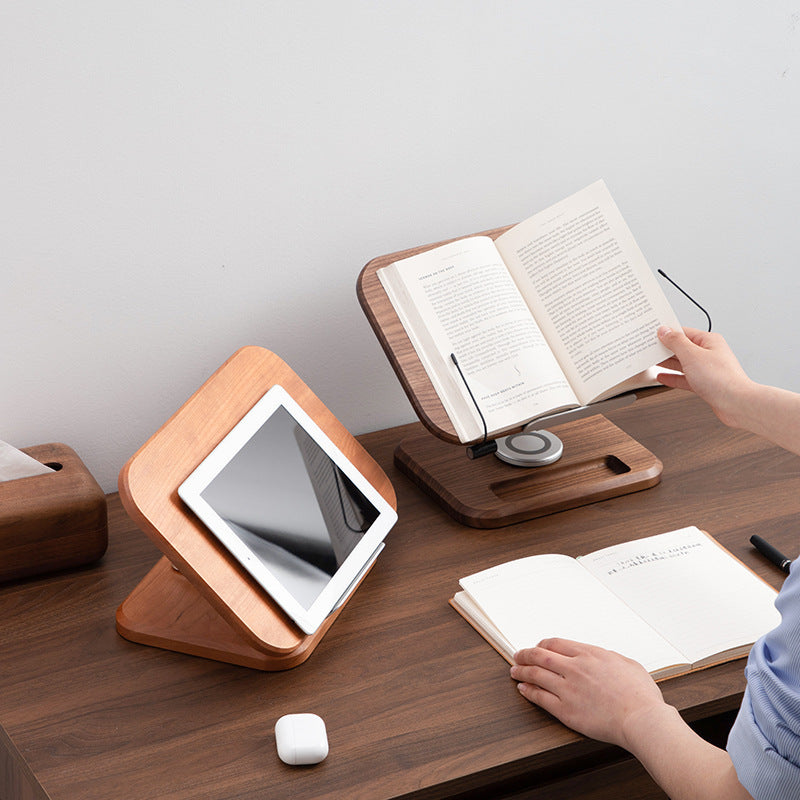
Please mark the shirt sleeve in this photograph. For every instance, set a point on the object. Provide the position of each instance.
(764, 742)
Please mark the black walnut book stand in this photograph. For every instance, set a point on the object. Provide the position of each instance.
(600, 460)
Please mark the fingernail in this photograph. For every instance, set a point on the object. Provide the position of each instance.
(664, 331)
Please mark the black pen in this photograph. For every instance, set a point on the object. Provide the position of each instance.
(774, 555)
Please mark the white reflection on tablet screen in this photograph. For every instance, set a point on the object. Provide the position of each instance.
(290, 504)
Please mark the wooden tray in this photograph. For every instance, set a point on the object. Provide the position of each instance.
(599, 461)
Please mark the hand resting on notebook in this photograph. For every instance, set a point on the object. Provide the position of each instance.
(606, 696)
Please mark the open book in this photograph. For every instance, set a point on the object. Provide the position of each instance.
(559, 311)
(674, 602)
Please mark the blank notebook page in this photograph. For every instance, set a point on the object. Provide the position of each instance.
(544, 596)
(690, 590)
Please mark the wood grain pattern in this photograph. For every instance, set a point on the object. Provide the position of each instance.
(396, 344)
(166, 610)
(600, 461)
(149, 491)
(416, 704)
(53, 521)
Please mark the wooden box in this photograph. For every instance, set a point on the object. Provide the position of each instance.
(53, 521)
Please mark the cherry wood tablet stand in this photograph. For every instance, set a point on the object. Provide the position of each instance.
(599, 461)
(197, 599)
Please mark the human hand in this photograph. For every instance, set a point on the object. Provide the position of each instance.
(707, 367)
(597, 692)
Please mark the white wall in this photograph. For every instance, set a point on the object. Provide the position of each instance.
(183, 178)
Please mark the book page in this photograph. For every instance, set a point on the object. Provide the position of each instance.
(534, 598)
(596, 299)
(460, 298)
(690, 589)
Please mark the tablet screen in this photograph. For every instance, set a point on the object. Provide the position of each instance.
(289, 507)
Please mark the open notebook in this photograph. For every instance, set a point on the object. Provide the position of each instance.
(674, 602)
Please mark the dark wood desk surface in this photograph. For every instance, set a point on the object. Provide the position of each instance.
(415, 702)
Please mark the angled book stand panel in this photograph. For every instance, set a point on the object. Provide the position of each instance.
(397, 346)
(600, 460)
(197, 599)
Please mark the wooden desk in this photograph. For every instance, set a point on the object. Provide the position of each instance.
(416, 703)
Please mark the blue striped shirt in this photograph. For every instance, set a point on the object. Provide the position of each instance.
(764, 742)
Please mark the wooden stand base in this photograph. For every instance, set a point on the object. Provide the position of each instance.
(165, 610)
(600, 461)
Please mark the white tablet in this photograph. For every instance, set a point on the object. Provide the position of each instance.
(290, 507)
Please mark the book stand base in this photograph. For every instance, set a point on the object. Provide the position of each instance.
(600, 461)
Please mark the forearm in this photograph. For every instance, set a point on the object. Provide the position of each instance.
(682, 763)
(609, 697)
(704, 364)
(770, 412)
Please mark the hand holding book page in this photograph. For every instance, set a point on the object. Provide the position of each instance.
(559, 311)
(673, 602)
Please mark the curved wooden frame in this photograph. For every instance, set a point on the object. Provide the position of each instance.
(208, 605)
(397, 346)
